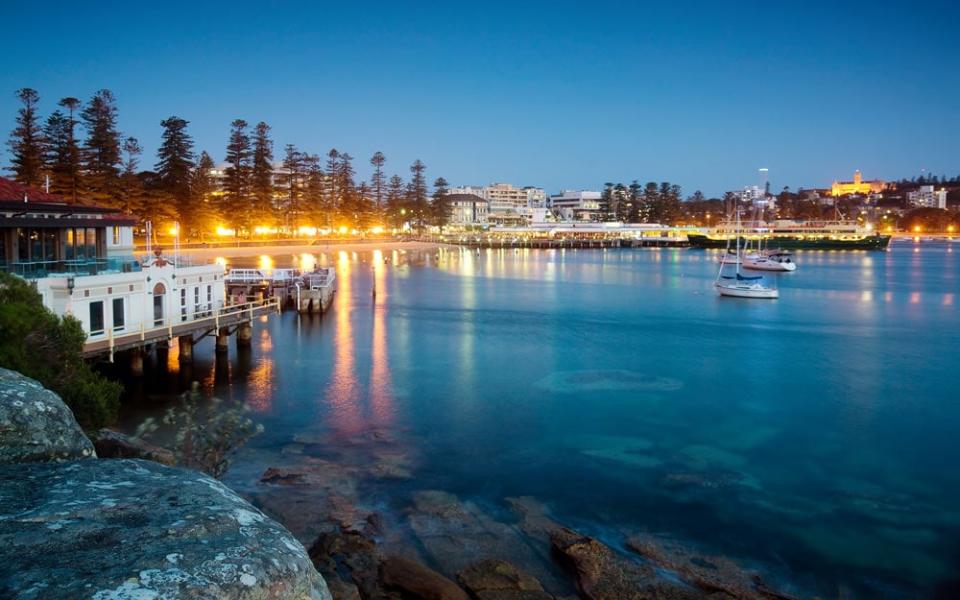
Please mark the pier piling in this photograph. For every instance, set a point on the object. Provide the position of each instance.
(186, 348)
(136, 362)
(244, 334)
(223, 340)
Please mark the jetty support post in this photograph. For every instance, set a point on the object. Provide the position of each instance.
(223, 340)
(136, 362)
(163, 353)
(244, 334)
(186, 348)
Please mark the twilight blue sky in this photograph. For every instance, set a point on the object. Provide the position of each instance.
(553, 94)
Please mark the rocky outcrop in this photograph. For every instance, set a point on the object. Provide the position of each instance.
(35, 424)
(113, 444)
(126, 529)
(136, 529)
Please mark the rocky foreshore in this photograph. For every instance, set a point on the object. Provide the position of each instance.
(75, 526)
(431, 544)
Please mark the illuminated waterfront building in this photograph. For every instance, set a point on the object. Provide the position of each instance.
(857, 186)
(80, 259)
(504, 197)
(576, 205)
(928, 197)
(467, 209)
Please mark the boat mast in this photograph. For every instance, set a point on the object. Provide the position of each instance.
(759, 210)
(738, 241)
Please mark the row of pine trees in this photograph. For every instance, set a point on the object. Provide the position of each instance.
(104, 167)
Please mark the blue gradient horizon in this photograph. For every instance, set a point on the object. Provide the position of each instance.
(558, 95)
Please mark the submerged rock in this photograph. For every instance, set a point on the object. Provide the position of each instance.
(350, 564)
(113, 444)
(494, 579)
(602, 574)
(709, 573)
(609, 380)
(455, 534)
(107, 529)
(418, 581)
(35, 424)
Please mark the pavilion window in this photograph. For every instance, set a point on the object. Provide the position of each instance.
(69, 246)
(23, 245)
(36, 245)
(79, 245)
(118, 316)
(96, 317)
(50, 244)
(91, 242)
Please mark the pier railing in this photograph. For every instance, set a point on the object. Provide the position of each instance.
(113, 340)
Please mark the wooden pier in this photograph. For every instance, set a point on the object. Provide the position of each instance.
(233, 319)
(310, 292)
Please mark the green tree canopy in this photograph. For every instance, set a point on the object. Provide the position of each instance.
(48, 348)
(26, 141)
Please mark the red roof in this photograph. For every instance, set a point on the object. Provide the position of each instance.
(11, 190)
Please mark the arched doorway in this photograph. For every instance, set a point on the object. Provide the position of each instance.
(159, 291)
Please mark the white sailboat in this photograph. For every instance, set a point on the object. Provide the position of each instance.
(742, 286)
(764, 259)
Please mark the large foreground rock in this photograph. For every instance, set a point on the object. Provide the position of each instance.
(35, 424)
(132, 529)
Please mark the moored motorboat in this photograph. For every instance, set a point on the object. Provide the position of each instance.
(769, 261)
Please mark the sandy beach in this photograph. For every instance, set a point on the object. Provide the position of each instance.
(359, 246)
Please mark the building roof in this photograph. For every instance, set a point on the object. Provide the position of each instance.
(43, 210)
(12, 190)
(465, 198)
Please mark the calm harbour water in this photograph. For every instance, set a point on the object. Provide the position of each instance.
(814, 437)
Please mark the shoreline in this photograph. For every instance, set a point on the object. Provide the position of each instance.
(248, 251)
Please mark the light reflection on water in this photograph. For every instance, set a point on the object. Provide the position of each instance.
(818, 428)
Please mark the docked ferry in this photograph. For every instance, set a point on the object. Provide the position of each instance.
(794, 235)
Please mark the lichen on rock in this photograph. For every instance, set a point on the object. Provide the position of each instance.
(35, 424)
(111, 529)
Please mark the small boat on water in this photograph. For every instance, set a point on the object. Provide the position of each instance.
(741, 286)
(765, 260)
(738, 285)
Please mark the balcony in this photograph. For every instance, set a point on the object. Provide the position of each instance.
(77, 267)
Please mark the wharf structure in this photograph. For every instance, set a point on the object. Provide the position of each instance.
(80, 260)
(308, 292)
(577, 235)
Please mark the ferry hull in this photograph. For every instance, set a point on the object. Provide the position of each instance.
(870, 242)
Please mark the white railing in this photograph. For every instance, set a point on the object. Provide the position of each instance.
(245, 276)
(319, 279)
(261, 275)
